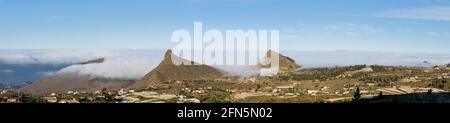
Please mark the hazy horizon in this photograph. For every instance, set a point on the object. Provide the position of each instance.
(29, 65)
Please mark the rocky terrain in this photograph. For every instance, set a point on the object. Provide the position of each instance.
(166, 71)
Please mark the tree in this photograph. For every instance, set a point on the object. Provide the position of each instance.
(441, 83)
(380, 95)
(258, 87)
(26, 98)
(356, 95)
(107, 97)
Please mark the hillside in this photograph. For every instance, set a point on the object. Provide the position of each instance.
(286, 64)
(72, 82)
(62, 83)
(166, 71)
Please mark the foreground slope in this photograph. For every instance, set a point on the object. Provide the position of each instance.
(61, 83)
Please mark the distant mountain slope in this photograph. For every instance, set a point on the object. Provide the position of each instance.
(100, 60)
(166, 71)
(73, 82)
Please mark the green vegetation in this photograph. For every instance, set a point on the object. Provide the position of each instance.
(324, 74)
(318, 85)
(441, 83)
(27, 98)
(382, 80)
(388, 69)
(356, 95)
(215, 97)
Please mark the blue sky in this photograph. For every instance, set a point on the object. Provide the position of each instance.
(363, 25)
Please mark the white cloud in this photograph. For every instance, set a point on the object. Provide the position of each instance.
(49, 56)
(243, 70)
(134, 64)
(440, 13)
(433, 33)
(116, 68)
(352, 29)
(119, 64)
(309, 59)
(124, 64)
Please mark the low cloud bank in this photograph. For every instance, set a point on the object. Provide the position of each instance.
(127, 66)
(49, 56)
(309, 59)
(118, 64)
(134, 64)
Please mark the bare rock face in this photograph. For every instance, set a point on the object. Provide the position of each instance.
(167, 71)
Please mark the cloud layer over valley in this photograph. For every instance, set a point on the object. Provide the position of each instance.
(29, 65)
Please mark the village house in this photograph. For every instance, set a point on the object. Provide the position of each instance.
(345, 92)
(313, 92)
(69, 101)
(371, 84)
(289, 94)
(11, 100)
(364, 92)
(97, 92)
(178, 82)
(186, 89)
(252, 80)
(199, 91)
(182, 99)
(50, 99)
(193, 100)
(73, 101)
(446, 75)
(4, 92)
(284, 89)
(324, 88)
(121, 92)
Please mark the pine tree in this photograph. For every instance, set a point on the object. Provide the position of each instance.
(380, 95)
(356, 95)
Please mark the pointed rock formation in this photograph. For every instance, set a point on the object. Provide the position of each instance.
(167, 71)
(286, 64)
